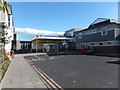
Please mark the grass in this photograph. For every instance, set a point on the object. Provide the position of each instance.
(3, 68)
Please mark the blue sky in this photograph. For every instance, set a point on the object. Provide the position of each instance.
(59, 16)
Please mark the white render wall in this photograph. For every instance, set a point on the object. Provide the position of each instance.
(9, 29)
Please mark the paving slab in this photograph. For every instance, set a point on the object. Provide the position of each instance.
(21, 75)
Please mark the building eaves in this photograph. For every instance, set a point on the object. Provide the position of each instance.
(74, 29)
(99, 20)
(114, 21)
(81, 30)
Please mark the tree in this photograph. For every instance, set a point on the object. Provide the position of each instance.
(3, 6)
(4, 9)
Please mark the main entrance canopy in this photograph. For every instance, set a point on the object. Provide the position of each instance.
(50, 44)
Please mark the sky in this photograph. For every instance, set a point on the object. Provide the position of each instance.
(54, 18)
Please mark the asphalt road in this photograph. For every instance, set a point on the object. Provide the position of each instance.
(79, 71)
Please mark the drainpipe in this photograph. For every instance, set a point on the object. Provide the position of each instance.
(47, 46)
(57, 46)
(36, 46)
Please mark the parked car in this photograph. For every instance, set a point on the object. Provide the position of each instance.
(86, 51)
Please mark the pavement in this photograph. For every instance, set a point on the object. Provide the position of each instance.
(79, 71)
(21, 75)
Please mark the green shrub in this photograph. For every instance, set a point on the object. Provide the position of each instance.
(5, 65)
(4, 68)
(6, 58)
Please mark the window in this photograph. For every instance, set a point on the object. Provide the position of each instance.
(76, 35)
(14, 47)
(86, 32)
(89, 32)
(109, 43)
(8, 24)
(8, 21)
(100, 43)
(8, 18)
(104, 31)
(80, 35)
(92, 44)
(93, 31)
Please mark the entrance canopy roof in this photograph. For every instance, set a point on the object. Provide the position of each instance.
(51, 38)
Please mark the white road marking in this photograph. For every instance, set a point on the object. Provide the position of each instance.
(36, 57)
(110, 82)
(39, 59)
(52, 58)
(114, 60)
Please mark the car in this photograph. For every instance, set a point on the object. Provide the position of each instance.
(86, 51)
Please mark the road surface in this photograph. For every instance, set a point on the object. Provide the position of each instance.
(79, 71)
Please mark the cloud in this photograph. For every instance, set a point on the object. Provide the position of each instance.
(37, 32)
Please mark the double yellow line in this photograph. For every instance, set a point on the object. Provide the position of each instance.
(50, 81)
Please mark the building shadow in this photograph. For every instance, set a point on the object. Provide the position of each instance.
(63, 53)
(114, 62)
(108, 55)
